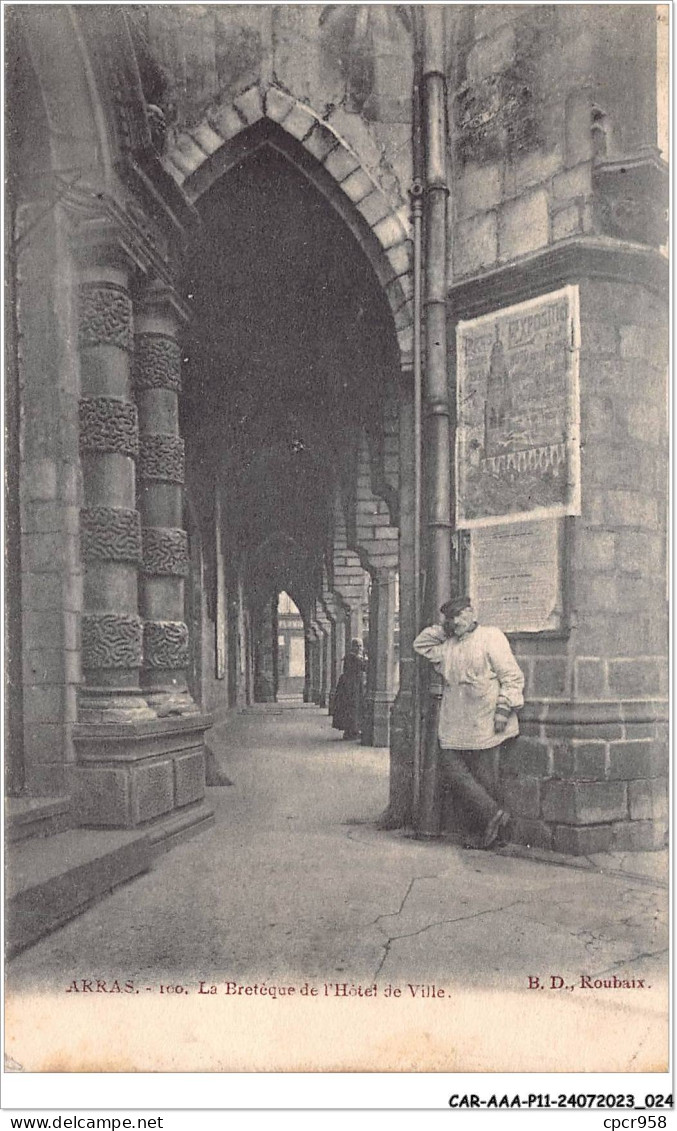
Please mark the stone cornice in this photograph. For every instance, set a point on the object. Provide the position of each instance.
(102, 228)
(581, 257)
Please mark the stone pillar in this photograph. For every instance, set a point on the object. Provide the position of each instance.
(380, 688)
(264, 643)
(339, 642)
(355, 622)
(308, 678)
(315, 663)
(133, 768)
(275, 655)
(112, 630)
(157, 384)
(401, 797)
(325, 656)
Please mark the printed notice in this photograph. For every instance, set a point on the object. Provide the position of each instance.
(515, 575)
(517, 442)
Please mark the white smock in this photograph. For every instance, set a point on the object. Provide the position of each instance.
(479, 673)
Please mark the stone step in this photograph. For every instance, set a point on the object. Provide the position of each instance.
(179, 826)
(27, 817)
(51, 880)
(277, 708)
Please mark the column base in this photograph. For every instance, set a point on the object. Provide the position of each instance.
(168, 703)
(131, 773)
(99, 705)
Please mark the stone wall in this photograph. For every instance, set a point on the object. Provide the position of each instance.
(590, 772)
(536, 93)
(50, 495)
(552, 114)
(355, 73)
(375, 533)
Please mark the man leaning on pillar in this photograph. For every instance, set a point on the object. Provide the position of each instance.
(483, 689)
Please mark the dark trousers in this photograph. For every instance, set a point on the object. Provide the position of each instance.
(470, 775)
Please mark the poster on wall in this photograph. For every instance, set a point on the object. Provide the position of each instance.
(515, 575)
(517, 441)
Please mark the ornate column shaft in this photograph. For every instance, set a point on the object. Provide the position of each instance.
(109, 522)
(157, 384)
(133, 768)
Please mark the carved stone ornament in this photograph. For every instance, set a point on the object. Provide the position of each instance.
(157, 362)
(112, 640)
(161, 457)
(108, 424)
(165, 644)
(105, 316)
(165, 552)
(110, 534)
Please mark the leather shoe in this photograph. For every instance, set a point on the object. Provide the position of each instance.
(493, 828)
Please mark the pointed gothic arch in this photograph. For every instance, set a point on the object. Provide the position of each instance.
(268, 116)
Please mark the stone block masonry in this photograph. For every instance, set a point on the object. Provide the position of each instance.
(587, 786)
(588, 772)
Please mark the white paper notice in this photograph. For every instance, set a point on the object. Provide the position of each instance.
(515, 575)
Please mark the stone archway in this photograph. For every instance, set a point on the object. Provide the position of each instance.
(214, 372)
(266, 114)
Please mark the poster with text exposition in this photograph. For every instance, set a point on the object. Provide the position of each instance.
(517, 444)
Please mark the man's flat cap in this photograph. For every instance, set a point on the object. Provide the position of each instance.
(453, 607)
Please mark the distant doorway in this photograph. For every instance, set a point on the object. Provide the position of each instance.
(291, 652)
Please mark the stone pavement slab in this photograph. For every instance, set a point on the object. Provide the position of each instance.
(295, 882)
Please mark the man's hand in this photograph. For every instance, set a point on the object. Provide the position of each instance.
(500, 722)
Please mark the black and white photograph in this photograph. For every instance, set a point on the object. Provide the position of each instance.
(336, 590)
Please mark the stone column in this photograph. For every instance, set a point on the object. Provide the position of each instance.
(336, 644)
(356, 622)
(112, 630)
(380, 691)
(133, 767)
(325, 655)
(157, 384)
(402, 760)
(265, 641)
(340, 641)
(308, 678)
(316, 663)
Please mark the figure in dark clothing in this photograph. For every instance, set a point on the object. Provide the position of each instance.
(349, 695)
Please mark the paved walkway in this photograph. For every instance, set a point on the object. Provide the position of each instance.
(295, 883)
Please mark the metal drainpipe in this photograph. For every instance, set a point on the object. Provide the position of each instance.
(416, 195)
(438, 431)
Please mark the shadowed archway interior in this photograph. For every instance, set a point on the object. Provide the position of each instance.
(288, 356)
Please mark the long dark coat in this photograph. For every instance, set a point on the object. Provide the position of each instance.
(349, 696)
